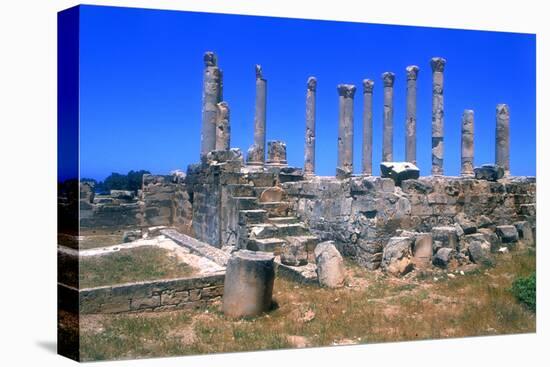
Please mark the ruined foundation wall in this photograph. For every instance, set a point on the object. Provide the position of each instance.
(105, 212)
(159, 295)
(214, 214)
(362, 213)
(163, 201)
(166, 202)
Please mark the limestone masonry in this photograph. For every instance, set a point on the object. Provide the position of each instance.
(397, 223)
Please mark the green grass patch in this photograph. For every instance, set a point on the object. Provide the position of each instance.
(131, 265)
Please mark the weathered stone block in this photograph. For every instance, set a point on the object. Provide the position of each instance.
(399, 171)
(396, 258)
(443, 257)
(479, 251)
(490, 172)
(446, 235)
(294, 253)
(525, 232)
(248, 284)
(507, 233)
(423, 247)
(330, 265)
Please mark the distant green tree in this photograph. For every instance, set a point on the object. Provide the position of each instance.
(135, 179)
(116, 181)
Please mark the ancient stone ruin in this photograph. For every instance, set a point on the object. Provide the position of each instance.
(226, 204)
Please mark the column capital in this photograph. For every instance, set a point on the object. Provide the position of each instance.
(438, 64)
(368, 85)
(388, 78)
(346, 90)
(259, 71)
(210, 59)
(468, 113)
(312, 83)
(412, 72)
(503, 109)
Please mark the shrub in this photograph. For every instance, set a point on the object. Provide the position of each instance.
(525, 290)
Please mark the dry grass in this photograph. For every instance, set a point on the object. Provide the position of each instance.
(95, 239)
(372, 308)
(131, 265)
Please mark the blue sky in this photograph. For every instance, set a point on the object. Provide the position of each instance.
(141, 79)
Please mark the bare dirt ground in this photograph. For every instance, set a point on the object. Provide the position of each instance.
(371, 308)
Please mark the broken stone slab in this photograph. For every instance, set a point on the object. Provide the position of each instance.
(489, 172)
(399, 171)
(293, 252)
(330, 265)
(218, 256)
(479, 251)
(306, 274)
(467, 225)
(290, 174)
(491, 237)
(525, 232)
(396, 258)
(131, 236)
(423, 247)
(484, 222)
(442, 257)
(507, 233)
(248, 284)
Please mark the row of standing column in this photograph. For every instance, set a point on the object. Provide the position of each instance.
(346, 94)
(216, 127)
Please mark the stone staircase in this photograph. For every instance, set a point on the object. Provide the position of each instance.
(266, 221)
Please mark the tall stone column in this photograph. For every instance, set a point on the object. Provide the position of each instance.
(467, 143)
(309, 155)
(223, 128)
(211, 96)
(410, 128)
(502, 144)
(387, 133)
(438, 65)
(256, 153)
(346, 92)
(368, 86)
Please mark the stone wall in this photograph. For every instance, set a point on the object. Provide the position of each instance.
(166, 202)
(105, 211)
(156, 295)
(214, 216)
(362, 213)
(162, 201)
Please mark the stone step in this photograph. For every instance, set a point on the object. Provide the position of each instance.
(283, 220)
(252, 216)
(277, 208)
(262, 230)
(246, 202)
(273, 244)
(266, 230)
(240, 190)
(292, 229)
